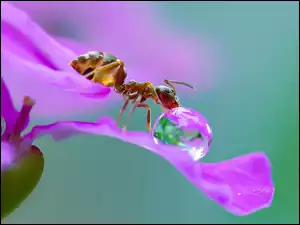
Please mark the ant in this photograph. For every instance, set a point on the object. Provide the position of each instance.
(104, 68)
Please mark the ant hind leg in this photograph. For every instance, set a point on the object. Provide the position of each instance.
(122, 111)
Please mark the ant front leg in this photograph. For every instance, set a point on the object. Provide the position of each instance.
(143, 105)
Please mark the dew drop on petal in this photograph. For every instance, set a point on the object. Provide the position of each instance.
(184, 128)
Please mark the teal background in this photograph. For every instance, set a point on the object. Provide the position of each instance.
(252, 106)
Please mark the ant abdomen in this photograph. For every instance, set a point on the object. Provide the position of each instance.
(101, 67)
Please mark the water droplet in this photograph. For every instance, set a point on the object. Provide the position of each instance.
(185, 128)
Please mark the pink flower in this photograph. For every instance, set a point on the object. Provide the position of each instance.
(21, 164)
(12, 124)
(35, 64)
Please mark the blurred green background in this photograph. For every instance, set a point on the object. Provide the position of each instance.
(252, 106)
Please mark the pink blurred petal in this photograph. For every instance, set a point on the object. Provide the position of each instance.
(249, 175)
(10, 41)
(26, 34)
(34, 64)
(77, 47)
(135, 33)
(57, 93)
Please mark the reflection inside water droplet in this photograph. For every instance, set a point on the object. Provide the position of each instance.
(185, 128)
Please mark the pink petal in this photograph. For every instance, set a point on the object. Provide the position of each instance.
(135, 33)
(242, 185)
(8, 111)
(26, 34)
(34, 64)
(57, 93)
(249, 175)
(77, 47)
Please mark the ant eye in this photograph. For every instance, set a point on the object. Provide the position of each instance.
(171, 91)
(88, 70)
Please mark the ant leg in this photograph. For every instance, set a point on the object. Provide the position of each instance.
(138, 100)
(143, 105)
(122, 111)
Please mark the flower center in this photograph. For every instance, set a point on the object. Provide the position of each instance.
(28, 103)
(12, 145)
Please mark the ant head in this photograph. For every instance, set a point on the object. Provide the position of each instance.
(167, 97)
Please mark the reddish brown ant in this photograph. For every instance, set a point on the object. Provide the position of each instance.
(104, 68)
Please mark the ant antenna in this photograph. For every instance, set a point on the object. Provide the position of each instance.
(170, 82)
(183, 83)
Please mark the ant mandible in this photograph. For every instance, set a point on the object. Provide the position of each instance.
(104, 68)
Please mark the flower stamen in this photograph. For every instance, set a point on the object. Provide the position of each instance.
(28, 103)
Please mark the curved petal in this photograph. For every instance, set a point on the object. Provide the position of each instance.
(35, 64)
(149, 47)
(57, 93)
(8, 111)
(241, 185)
(27, 35)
